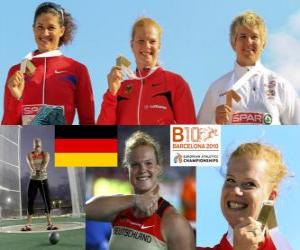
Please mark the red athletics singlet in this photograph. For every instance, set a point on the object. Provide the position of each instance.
(139, 233)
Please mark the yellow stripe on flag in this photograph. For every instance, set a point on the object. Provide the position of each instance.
(86, 160)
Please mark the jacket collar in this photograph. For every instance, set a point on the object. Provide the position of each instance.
(230, 235)
(51, 53)
(145, 73)
(239, 70)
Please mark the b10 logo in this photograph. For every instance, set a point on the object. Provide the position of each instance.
(194, 134)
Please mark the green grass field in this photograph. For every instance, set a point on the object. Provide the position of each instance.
(71, 239)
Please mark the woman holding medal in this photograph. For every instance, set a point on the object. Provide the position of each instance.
(254, 172)
(151, 95)
(47, 87)
(143, 220)
(250, 94)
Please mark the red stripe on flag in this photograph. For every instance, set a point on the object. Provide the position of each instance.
(86, 145)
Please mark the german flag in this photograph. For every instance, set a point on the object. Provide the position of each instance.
(86, 146)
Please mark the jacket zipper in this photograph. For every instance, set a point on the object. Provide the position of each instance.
(139, 102)
(44, 80)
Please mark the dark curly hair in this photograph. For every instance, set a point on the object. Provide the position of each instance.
(65, 19)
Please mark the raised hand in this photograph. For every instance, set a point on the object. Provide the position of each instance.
(247, 235)
(16, 84)
(148, 202)
(114, 78)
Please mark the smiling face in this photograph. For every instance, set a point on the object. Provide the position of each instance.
(248, 45)
(143, 169)
(246, 187)
(145, 46)
(47, 32)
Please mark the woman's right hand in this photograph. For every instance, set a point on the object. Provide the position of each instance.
(114, 78)
(148, 202)
(223, 113)
(247, 235)
(16, 84)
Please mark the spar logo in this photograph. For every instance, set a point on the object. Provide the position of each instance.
(30, 109)
(252, 118)
(267, 119)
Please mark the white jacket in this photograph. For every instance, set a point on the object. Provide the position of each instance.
(266, 98)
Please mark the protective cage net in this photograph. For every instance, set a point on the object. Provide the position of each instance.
(77, 189)
(10, 186)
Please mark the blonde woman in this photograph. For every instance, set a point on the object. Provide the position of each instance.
(151, 95)
(254, 172)
(250, 93)
(144, 220)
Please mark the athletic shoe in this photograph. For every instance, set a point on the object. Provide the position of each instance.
(26, 228)
(51, 227)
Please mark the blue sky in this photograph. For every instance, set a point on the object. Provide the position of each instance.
(194, 43)
(211, 224)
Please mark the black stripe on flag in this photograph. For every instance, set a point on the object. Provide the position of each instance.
(86, 131)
